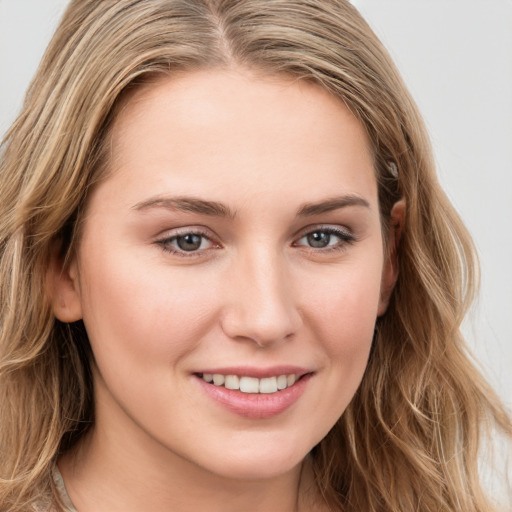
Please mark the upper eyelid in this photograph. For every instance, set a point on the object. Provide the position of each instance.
(333, 228)
(212, 237)
(206, 232)
(171, 235)
(186, 230)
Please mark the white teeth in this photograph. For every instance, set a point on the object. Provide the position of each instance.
(282, 382)
(268, 385)
(218, 379)
(246, 384)
(249, 385)
(232, 382)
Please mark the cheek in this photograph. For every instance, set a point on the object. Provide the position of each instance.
(345, 305)
(142, 313)
(342, 315)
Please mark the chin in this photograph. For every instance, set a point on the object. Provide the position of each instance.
(258, 461)
(257, 470)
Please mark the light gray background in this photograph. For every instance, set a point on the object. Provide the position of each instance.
(456, 56)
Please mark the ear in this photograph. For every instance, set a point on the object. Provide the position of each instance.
(63, 288)
(390, 268)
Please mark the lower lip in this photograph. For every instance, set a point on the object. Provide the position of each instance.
(256, 405)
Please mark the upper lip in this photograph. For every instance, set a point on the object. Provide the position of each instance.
(257, 372)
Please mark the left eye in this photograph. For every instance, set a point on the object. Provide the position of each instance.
(187, 242)
(325, 238)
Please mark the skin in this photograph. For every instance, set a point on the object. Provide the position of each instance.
(255, 292)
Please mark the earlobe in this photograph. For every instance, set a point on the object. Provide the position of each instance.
(390, 269)
(64, 291)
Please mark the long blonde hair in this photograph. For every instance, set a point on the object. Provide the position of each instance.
(409, 440)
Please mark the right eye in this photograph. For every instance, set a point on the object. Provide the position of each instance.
(186, 243)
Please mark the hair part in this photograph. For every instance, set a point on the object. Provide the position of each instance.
(398, 445)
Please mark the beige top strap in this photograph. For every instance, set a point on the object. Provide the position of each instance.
(61, 488)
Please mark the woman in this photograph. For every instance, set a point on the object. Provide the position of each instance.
(229, 278)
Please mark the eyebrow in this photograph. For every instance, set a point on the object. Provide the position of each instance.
(329, 205)
(186, 204)
(216, 209)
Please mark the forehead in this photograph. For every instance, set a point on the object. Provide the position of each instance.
(212, 129)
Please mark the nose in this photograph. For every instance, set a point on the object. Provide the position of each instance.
(261, 306)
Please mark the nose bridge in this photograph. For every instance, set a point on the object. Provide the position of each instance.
(261, 306)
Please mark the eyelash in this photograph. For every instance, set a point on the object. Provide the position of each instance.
(165, 243)
(345, 238)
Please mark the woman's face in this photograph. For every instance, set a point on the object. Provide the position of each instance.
(237, 238)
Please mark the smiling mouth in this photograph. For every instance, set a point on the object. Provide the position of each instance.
(253, 385)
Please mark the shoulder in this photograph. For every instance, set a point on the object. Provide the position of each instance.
(62, 492)
(48, 503)
(44, 505)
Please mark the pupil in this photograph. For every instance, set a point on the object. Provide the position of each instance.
(319, 239)
(189, 242)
